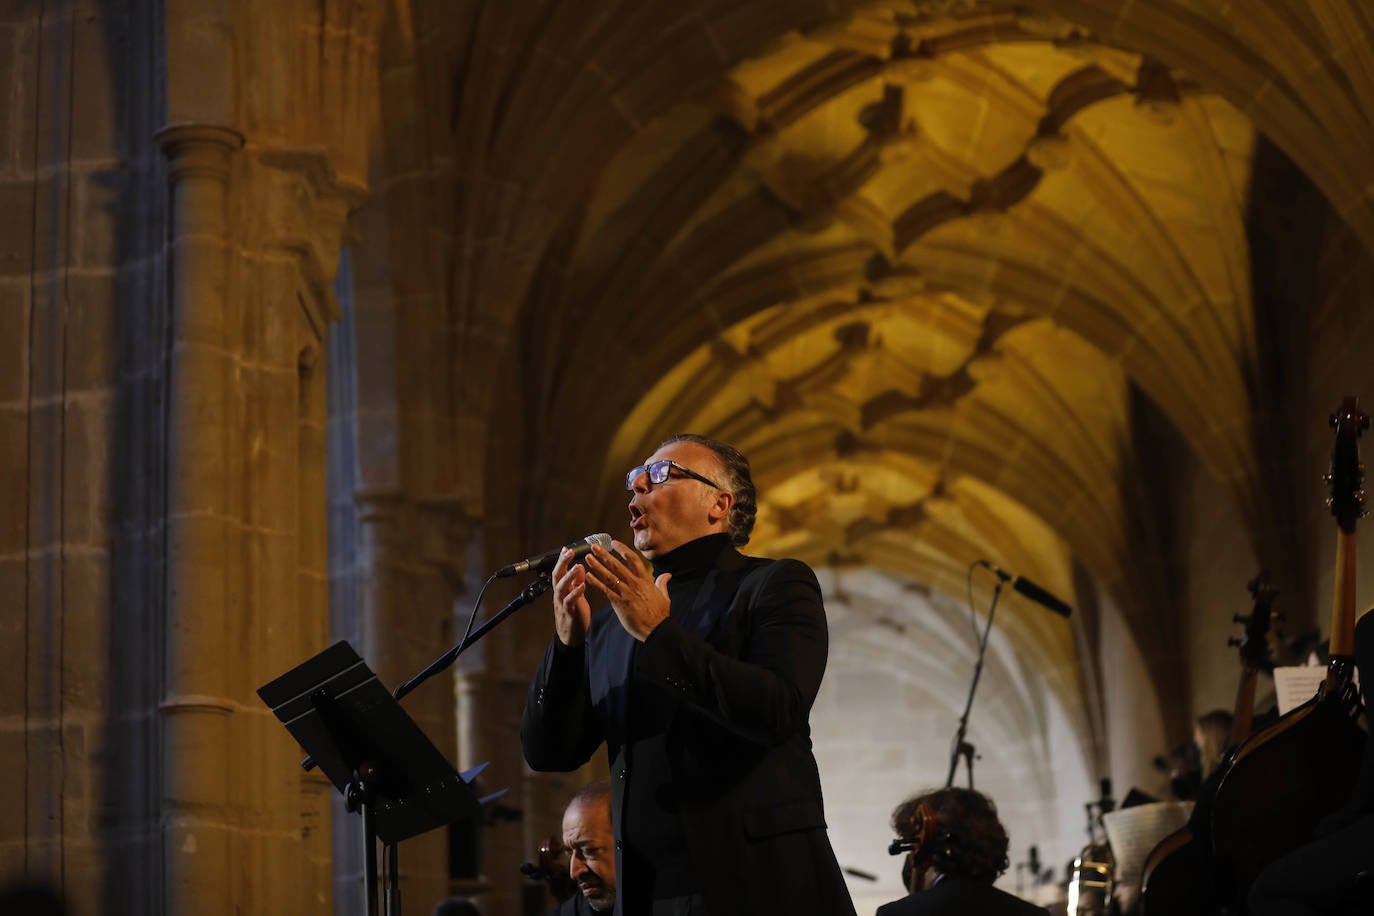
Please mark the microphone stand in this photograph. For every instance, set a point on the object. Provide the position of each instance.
(963, 748)
(529, 593)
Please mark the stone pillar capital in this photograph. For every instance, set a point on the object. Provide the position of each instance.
(200, 150)
(305, 209)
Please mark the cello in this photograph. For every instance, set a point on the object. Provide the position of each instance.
(551, 868)
(1285, 778)
(1178, 878)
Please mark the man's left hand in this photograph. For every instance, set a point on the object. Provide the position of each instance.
(639, 600)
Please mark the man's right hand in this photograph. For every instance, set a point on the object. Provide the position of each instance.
(572, 614)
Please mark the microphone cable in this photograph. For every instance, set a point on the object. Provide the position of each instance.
(451, 655)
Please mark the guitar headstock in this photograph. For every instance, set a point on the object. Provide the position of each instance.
(1346, 477)
(1254, 642)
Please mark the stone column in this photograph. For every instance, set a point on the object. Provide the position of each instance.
(195, 706)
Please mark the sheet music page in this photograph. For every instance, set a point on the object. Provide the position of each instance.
(1294, 686)
(1133, 832)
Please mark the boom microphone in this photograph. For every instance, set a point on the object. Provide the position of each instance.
(545, 561)
(1031, 590)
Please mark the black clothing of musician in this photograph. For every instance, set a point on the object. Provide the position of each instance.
(575, 905)
(699, 679)
(1334, 874)
(954, 896)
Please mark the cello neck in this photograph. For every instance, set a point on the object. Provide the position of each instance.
(1347, 505)
(1343, 597)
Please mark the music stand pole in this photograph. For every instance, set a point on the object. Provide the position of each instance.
(361, 795)
(961, 747)
(393, 882)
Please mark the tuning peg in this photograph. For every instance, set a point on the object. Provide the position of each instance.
(1239, 618)
(1330, 502)
(1279, 617)
(1326, 478)
(1232, 641)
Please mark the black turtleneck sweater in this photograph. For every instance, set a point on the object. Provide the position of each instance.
(654, 839)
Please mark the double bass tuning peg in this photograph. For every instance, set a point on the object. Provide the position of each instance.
(1232, 641)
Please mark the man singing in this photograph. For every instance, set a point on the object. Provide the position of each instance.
(699, 679)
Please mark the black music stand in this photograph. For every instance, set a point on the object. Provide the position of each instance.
(372, 751)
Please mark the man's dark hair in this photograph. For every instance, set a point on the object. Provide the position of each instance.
(969, 841)
(738, 481)
(592, 792)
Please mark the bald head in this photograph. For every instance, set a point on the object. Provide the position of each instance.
(590, 842)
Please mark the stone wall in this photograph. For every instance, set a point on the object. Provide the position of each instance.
(83, 318)
(163, 296)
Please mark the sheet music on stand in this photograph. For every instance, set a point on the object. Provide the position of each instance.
(337, 709)
(1133, 832)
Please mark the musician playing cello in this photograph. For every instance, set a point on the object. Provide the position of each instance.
(956, 847)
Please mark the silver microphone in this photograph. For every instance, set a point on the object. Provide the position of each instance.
(544, 562)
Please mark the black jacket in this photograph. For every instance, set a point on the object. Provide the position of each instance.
(576, 905)
(960, 897)
(742, 680)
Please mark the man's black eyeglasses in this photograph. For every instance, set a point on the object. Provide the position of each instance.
(658, 473)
